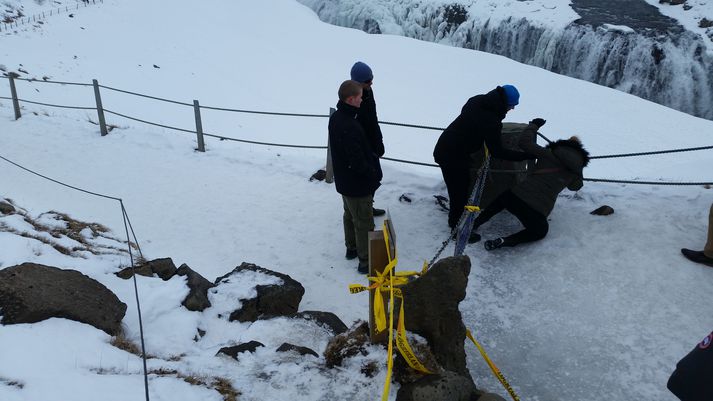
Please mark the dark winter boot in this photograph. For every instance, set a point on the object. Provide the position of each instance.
(697, 256)
(363, 267)
(494, 244)
(378, 212)
(351, 254)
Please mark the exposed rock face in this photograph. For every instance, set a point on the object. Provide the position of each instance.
(271, 300)
(30, 293)
(431, 307)
(447, 386)
(287, 347)
(234, 351)
(197, 298)
(326, 319)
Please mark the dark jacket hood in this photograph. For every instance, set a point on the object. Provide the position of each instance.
(496, 101)
(570, 152)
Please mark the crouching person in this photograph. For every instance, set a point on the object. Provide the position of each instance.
(559, 166)
(357, 173)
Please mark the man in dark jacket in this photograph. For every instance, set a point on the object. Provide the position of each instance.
(366, 116)
(559, 166)
(357, 173)
(693, 378)
(480, 121)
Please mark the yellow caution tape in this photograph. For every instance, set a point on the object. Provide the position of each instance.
(404, 347)
(472, 208)
(390, 360)
(494, 368)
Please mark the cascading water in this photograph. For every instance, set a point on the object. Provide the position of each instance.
(622, 44)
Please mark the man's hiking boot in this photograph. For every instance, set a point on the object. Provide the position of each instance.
(474, 237)
(363, 268)
(697, 256)
(378, 212)
(494, 244)
(351, 254)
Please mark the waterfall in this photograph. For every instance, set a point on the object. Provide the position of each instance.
(670, 68)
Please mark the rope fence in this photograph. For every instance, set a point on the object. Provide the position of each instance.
(10, 22)
(198, 131)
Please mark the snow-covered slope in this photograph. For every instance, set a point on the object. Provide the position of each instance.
(603, 305)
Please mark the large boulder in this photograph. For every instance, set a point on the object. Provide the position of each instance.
(197, 298)
(30, 293)
(271, 300)
(431, 307)
(235, 350)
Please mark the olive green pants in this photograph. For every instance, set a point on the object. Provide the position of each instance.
(358, 221)
(708, 250)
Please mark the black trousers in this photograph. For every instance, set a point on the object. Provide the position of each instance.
(535, 223)
(457, 178)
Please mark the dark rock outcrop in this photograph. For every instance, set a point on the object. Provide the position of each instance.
(197, 298)
(235, 350)
(271, 300)
(287, 347)
(30, 293)
(431, 307)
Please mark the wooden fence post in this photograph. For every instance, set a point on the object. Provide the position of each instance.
(199, 126)
(329, 177)
(100, 108)
(13, 92)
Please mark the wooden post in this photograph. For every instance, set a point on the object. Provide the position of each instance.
(13, 92)
(100, 108)
(199, 126)
(329, 177)
(378, 259)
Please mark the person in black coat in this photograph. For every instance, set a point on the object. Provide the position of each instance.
(366, 116)
(693, 378)
(357, 173)
(480, 121)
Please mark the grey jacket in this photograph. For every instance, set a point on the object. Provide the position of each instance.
(559, 166)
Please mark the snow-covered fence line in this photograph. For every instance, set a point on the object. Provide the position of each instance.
(200, 134)
(128, 228)
(9, 23)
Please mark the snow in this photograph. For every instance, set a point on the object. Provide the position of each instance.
(603, 305)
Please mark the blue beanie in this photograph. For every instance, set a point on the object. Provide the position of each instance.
(361, 72)
(511, 95)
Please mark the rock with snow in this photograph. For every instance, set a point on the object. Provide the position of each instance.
(271, 300)
(30, 293)
(235, 350)
(6, 208)
(287, 347)
(326, 319)
(163, 268)
(197, 298)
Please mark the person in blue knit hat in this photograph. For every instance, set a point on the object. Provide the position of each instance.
(366, 116)
(480, 121)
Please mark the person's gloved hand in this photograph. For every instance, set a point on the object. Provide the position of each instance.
(538, 121)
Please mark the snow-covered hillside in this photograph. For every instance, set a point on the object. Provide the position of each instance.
(604, 306)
